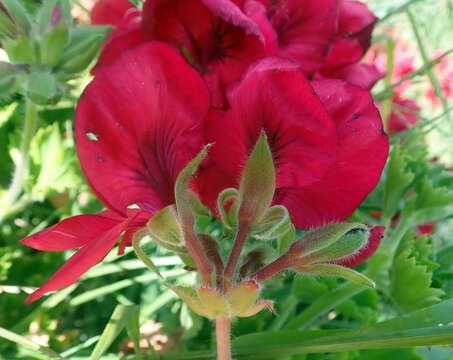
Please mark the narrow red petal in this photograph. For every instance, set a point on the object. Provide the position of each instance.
(79, 263)
(71, 233)
(138, 124)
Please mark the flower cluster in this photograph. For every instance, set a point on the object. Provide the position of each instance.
(272, 86)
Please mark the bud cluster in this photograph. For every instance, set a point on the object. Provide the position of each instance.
(230, 290)
(45, 53)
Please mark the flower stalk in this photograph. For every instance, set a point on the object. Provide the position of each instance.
(223, 335)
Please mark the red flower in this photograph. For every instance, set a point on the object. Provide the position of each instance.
(215, 37)
(327, 141)
(137, 125)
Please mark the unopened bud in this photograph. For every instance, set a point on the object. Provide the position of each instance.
(56, 15)
(52, 44)
(43, 89)
(7, 79)
(165, 229)
(83, 48)
(257, 185)
(21, 50)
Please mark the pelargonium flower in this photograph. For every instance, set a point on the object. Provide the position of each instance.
(137, 125)
(404, 114)
(326, 137)
(216, 37)
(143, 118)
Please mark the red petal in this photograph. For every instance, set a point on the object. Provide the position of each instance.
(361, 157)
(275, 96)
(114, 48)
(71, 233)
(220, 47)
(120, 13)
(376, 233)
(306, 29)
(79, 263)
(138, 124)
(139, 220)
(356, 23)
(229, 12)
(363, 75)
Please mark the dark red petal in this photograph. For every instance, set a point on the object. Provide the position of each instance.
(274, 95)
(363, 75)
(356, 23)
(360, 159)
(306, 29)
(71, 233)
(138, 124)
(79, 263)
(376, 233)
(114, 48)
(257, 12)
(120, 13)
(217, 39)
(229, 12)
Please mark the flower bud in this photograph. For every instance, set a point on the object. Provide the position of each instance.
(83, 48)
(257, 185)
(52, 44)
(7, 79)
(19, 15)
(21, 50)
(43, 89)
(165, 230)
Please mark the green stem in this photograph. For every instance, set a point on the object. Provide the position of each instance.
(22, 165)
(223, 333)
(239, 241)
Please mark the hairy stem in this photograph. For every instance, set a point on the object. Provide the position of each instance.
(22, 165)
(239, 241)
(275, 267)
(223, 333)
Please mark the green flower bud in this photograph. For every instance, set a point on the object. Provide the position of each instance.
(257, 186)
(83, 47)
(18, 14)
(165, 229)
(53, 43)
(45, 15)
(8, 79)
(43, 89)
(21, 50)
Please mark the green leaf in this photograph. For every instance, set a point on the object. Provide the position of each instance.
(23, 341)
(429, 203)
(397, 181)
(118, 321)
(410, 285)
(133, 330)
(400, 354)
